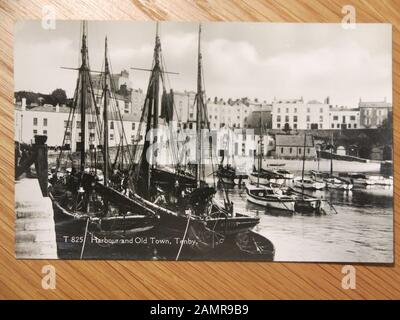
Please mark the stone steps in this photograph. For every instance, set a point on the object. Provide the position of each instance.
(34, 226)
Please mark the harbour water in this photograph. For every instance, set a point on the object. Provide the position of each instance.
(361, 231)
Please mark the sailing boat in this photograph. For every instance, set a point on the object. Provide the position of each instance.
(306, 203)
(227, 174)
(84, 199)
(332, 182)
(185, 205)
(262, 192)
(259, 174)
(307, 183)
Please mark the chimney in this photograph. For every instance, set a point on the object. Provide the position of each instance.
(327, 100)
(23, 104)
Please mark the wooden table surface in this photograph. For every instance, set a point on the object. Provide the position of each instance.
(183, 280)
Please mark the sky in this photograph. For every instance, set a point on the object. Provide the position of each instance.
(255, 60)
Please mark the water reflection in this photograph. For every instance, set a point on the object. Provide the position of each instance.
(362, 231)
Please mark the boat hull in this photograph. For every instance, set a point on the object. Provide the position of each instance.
(311, 185)
(270, 201)
(264, 181)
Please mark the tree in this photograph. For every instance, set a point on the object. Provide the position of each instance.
(58, 96)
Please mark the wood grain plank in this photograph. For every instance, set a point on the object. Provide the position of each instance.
(183, 280)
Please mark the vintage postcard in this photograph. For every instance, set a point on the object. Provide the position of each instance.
(203, 141)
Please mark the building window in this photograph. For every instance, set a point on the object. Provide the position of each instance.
(308, 150)
(294, 118)
(295, 110)
(111, 136)
(191, 115)
(287, 110)
(78, 124)
(308, 110)
(353, 118)
(299, 150)
(290, 150)
(111, 125)
(66, 124)
(279, 110)
(91, 124)
(320, 125)
(278, 119)
(295, 126)
(190, 125)
(35, 132)
(308, 118)
(321, 110)
(281, 150)
(332, 126)
(349, 125)
(35, 121)
(133, 125)
(286, 118)
(338, 126)
(278, 125)
(45, 132)
(355, 126)
(45, 122)
(335, 118)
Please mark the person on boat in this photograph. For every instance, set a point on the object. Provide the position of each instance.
(125, 184)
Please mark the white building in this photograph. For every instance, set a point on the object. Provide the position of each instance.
(298, 115)
(52, 121)
(344, 118)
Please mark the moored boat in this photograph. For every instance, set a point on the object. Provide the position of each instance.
(84, 199)
(337, 183)
(269, 197)
(187, 211)
(307, 183)
(265, 177)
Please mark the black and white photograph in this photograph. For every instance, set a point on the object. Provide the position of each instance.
(213, 141)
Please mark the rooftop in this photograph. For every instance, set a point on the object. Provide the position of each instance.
(293, 140)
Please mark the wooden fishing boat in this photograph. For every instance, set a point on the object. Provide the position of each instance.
(266, 177)
(184, 204)
(337, 183)
(307, 183)
(359, 179)
(229, 176)
(269, 197)
(331, 181)
(83, 198)
(285, 173)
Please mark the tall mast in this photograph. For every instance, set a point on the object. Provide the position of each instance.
(331, 153)
(151, 116)
(83, 71)
(304, 157)
(199, 113)
(260, 149)
(105, 115)
(157, 72)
